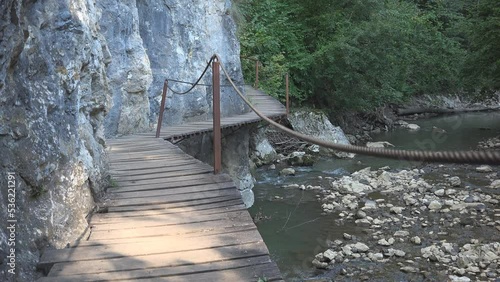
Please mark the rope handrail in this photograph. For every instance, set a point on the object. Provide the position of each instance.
(472, 157)
(197, 81)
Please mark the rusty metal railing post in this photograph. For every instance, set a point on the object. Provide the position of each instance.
(216, 116)
(287, 90)
(162, 108)
(256, 74)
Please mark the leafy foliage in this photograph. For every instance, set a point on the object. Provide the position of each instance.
(483, 62)
(359, 54)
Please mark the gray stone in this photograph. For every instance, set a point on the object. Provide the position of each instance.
(300, 159)
(319, 265)
(454, 278)
(287, 171)
(409, 269)
(330, 255)
(369, 204)
(411, 127)
(399, 253)
(317, 125)
(363, 222)
(383, 242)
(416, 240)
(380, 144)
(455, 181)
(361, 247)
(439, 192)
(401, 233)
(376, 256)
(484, 168)
(347, 250)
(347, 236)
(435, 205)
(360, 215)
(495, 184)
(397, 210)
(260, 148)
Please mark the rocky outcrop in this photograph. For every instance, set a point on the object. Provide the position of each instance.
(261, 150)
(73, 72)
(128, 68)
(179, 37)
(53, 99)
(317, 125)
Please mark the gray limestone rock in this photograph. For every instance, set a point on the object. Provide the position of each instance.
(54, 96)
(318, 125)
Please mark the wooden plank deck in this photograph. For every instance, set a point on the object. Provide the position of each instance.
(271, 107)
(169, 218)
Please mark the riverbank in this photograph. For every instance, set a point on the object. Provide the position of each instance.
(281, 203)
(423, 224)
(360, 126)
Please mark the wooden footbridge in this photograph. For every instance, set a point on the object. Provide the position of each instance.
(170, 218)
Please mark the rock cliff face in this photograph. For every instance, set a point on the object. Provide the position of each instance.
(179, 37)
(73, 72)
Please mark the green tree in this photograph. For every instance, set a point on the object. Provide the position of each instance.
(482, 71)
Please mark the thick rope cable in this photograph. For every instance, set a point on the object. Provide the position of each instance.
(197, 81)
(471, 157)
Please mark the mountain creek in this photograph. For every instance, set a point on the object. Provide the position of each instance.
(372, 219)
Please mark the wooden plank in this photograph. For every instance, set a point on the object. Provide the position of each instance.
(208, 208)
(147, 157)
(122, 177)
(139, 185)
(163, 180)
(163, 185)
(174, 198)
(154, 246)
(174, 191)
(151, 164)
(192, 235)
(222, 254)
(151, 170)
(247, 273)
(209, 224)
(165, 220)
(235, 205)
(175, 205)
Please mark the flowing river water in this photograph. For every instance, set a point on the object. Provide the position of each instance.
(291, 220)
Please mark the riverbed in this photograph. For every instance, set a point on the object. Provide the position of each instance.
(292, 221)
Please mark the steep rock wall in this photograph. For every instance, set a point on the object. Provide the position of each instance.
(73, 72)
(53, 98)
(129, 72)
(179, 43)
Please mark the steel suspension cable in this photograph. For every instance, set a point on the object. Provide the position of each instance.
(471, 157)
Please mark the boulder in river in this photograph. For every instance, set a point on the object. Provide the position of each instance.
(287, 171)
(484, 168)
(495, 184)
(300, 159)
(379, 144)
(316, 124)
(411, 126)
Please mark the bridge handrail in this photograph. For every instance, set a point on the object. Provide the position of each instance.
(472, 157)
